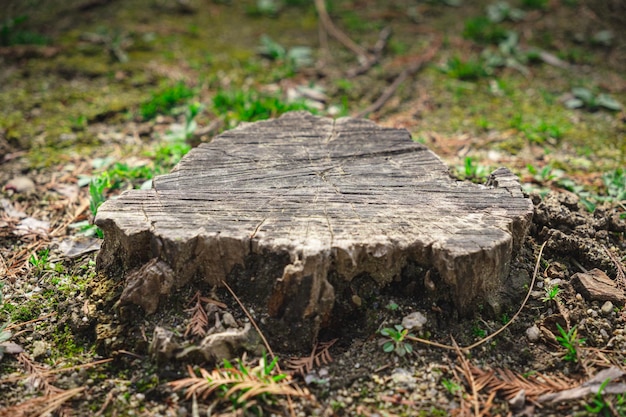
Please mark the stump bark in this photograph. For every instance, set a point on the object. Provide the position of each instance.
(307, 217)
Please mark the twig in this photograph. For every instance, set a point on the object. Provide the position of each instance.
(406, 73)
(467, 372)
(377, 51)
(15, 326)
(245, 310)
(56, 371)
(330, 27)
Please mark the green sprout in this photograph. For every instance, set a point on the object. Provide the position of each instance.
(39, 260)
(552, 292)
(397, 343)
(451, 386)
(571, 342)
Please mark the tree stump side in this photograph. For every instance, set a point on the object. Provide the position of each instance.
(292, 212)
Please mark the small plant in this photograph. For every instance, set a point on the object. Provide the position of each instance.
(97, 187)
(502, 10)
(249, 106)
(583, 97)
(10, 34)
(297, 56)
(392, 306)
(164, 101)
(571, 342)
(615, 183)
(551, 293)
(601, 407)
(545, 174)
(397, 344)
(539, 131)
(465, 70)
(472, 171)
(479, 332)
(182, 133)
(451, 386)
(39, 261)
(482, 30)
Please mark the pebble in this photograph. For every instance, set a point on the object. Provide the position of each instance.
(20, 185)
(607, 308)
(414, 321)
(533, 333)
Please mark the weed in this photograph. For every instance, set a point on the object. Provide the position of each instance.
(472, 171)
(551, 293)
(451, 386)
(397, 344)
(504, 318)
(10, 34)
(164, 101)
(507, 54)
(601, 407)
(539, 131)
(614, 187)
(479, 332)
(545, 174)
(583, 97)
(392, 306)
(615, 183)
(248, 106)
(571, 342)
(39, 261)
(297, 56)
(482, 30)
(501, 10)
(465, 70)
(184, 132)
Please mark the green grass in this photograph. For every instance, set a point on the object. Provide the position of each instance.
(571, 342)
(482, 30)
(468, 70)
(236, 106)
(164, 101)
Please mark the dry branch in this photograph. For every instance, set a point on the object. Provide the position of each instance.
(336, 33)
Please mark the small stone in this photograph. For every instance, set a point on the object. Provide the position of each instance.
(606, 308)
(20, 185)
(414, 321)
(229, 320)
(403, 378)
(533, 333)
(518, 401)
(40, 348)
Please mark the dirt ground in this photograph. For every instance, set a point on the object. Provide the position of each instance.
(80, 95)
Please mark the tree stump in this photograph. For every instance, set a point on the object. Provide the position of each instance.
(307, 217)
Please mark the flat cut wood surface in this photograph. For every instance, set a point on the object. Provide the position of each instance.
(290, 211)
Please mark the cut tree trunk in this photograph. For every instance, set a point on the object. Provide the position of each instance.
(307, 218)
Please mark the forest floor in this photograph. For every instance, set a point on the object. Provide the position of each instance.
(100, 96)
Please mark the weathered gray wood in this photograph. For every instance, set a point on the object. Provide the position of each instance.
(290, 211)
